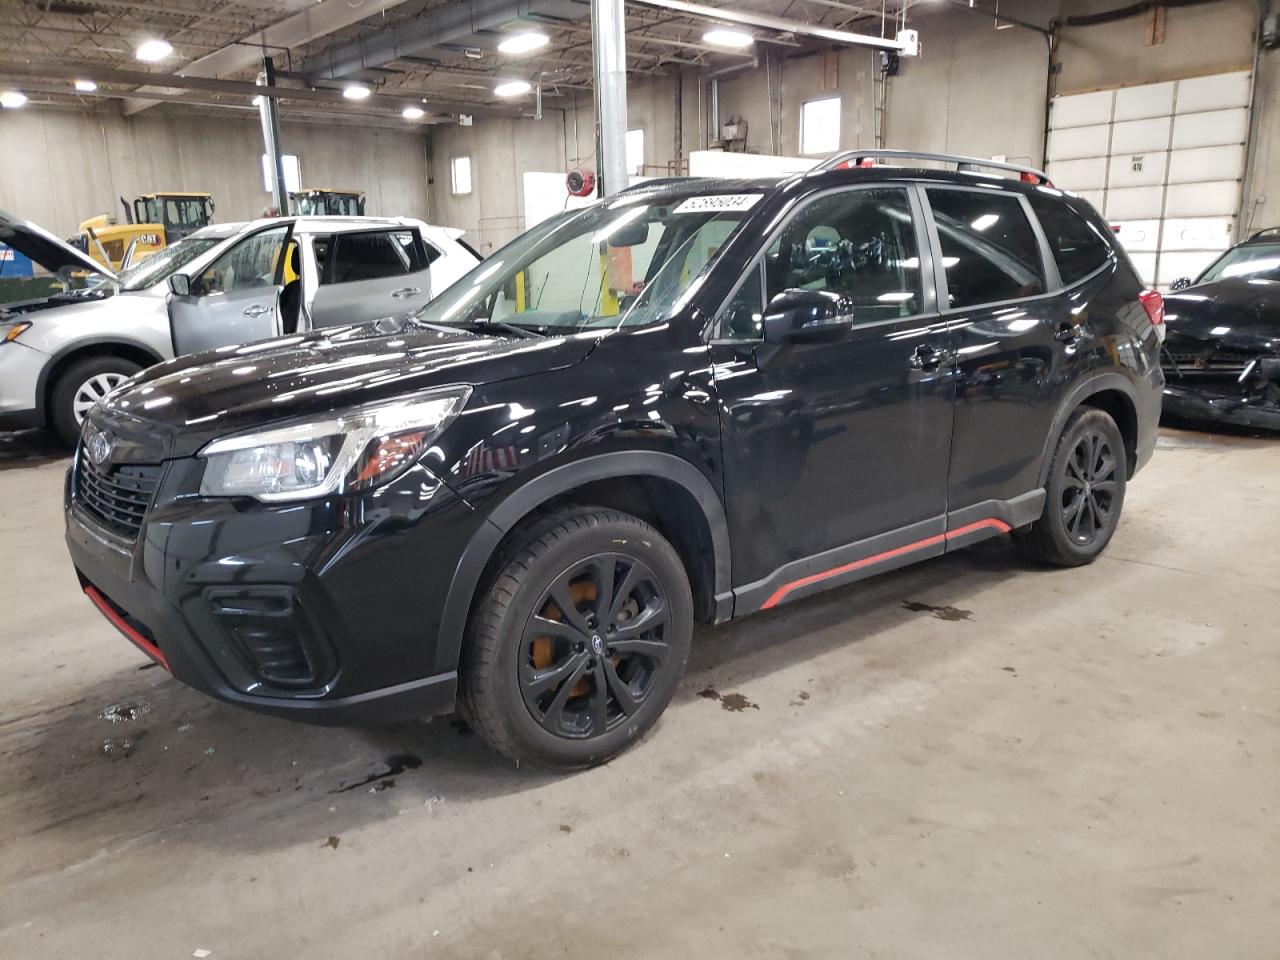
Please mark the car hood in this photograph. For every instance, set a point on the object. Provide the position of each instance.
(45, 249)
(200, 396)
(1238, 313)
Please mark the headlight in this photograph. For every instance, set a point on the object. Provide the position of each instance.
(11, 331)
(350, 451)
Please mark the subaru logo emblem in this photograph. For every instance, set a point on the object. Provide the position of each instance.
(597, 644)
(98, 445)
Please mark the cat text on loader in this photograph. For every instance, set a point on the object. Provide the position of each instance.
(154, 221)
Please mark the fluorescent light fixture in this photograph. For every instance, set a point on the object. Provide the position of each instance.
(86, 86)
(519, 43)
(413, 113)
(153, 50)
(734, 39)
(356, 91)
(12, 99)
(511, 88)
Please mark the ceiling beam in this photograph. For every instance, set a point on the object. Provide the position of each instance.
(310, 24)
(767, 22)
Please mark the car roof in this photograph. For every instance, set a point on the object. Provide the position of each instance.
(320, 224)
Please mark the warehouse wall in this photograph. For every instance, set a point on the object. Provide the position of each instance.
(59, 167)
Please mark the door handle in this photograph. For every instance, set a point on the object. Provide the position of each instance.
(926, 357)
(1070, 333)
(405, 292)
(256, 310)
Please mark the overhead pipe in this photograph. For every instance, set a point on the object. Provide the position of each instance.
(609, 53)
(768, 22)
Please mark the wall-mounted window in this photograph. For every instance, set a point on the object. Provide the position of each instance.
(635, 151)
(460, 175)
(292, 173)
(820, 126)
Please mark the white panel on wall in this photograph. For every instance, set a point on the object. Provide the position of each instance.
(1140, 136)
(1138, 236)
(1147, 100)
(1187, 263)
(1079, 174)
(1206, 163)
(1145, 264)
(1095, 198)
(1213, 93)
(1082, 109)
(1211, 129)
(1137, 169)
(1135, 203)
(1073, 143)
(1212, 198)
(1197, 233)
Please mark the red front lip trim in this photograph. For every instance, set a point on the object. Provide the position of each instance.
(786, 588)
(117, 621)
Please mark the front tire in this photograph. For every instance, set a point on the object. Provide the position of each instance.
(1085, 493)
(580, 641)
(82, 385)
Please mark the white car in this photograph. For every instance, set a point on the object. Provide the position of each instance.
(71, 331)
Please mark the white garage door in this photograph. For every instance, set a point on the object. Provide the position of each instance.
(1163, 162)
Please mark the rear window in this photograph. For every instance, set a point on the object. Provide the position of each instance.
(372, 256)
(989, 250)
(1078, 247)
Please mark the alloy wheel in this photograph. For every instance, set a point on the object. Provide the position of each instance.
(93, 390)
(595, 647)
(1089, 488)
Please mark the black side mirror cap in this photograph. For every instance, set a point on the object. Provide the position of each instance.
(807, 316)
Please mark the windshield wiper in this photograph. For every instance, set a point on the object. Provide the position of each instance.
(482, 323)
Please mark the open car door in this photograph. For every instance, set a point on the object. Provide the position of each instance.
(236, 299)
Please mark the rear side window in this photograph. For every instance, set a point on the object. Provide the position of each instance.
(372, 256)
(1077, 246)
(989, 250)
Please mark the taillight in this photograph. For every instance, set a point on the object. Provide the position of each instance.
(1153, 303)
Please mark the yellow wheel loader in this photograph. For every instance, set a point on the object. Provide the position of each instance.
(154, 221)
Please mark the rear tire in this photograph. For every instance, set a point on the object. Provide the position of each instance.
(579, 642)
(1085, 493)
(80, 386)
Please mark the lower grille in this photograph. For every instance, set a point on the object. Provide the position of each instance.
(117, 497)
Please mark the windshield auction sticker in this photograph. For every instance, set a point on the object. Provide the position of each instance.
(719, 202)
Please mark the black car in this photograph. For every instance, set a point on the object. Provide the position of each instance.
(694, 400)
(1222, 355)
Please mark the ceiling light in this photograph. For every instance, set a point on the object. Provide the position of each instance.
(413, 113)
(511, 88)
(519, 43)
(356, 91)
(86, 86)
(151, 51)
(734, 39)
(12, 99)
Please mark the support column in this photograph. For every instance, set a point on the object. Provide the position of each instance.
(609, 52)
(270, 117)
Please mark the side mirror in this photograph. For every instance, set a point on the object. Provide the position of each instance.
(806, 316)
(1180, 284)
(180, 284)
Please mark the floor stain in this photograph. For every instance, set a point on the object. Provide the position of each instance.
(124, 712)
(733, 702)
(565, 828)
(942, 613)
(331, 843)
(397, 764)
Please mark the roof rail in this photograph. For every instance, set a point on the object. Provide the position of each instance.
(857, 158)
(1266, 232)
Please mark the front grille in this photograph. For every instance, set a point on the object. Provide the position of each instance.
(1209, 361)
(117, 497)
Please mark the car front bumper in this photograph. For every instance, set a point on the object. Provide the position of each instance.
(1207, 406)
(20, 368)
(323, 611)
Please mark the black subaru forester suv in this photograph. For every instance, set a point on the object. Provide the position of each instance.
(689, 402)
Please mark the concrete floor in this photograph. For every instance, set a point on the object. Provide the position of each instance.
(968, 758)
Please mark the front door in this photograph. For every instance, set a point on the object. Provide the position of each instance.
(370, 275)
(835, 454)
(236, 299)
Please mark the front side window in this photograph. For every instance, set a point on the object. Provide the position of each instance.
(1078, 247)
(989, 250)
(254, 262)
(374, 255)
(624, 262)
(1255, 261)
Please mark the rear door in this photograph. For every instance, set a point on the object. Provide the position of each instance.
(1021, 342)
(237, 298)
(370, 275)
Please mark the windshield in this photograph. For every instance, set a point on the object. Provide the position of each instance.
(623, 262)
(157, 267)
(1254, 261)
